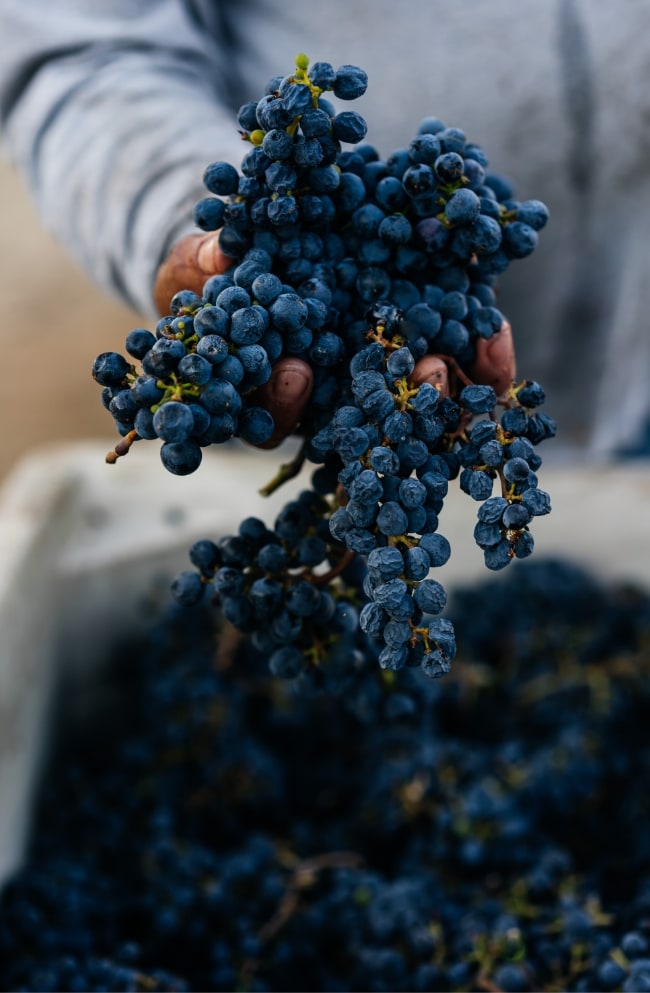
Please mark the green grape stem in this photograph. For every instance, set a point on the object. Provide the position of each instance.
(288, 470)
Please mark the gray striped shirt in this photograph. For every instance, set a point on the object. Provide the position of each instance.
(112, 108)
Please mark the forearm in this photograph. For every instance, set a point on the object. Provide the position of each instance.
(112, 137)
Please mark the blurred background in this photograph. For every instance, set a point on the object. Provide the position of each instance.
(55, 321)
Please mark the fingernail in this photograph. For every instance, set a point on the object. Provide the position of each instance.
(205, 255)
(433, 370)
(289, 386)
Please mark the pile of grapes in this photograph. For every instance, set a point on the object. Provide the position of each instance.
(380, 275)
(221, 829)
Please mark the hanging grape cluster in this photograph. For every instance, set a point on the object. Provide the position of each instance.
(364, 268)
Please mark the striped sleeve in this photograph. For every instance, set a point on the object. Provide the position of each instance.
(112, 117)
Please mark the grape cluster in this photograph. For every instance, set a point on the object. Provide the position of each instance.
(293, 587)
(362, 268)
(194, 375)
(211, 352)
(387, 457)
(215, 829)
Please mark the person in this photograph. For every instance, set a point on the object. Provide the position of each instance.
(112, 108)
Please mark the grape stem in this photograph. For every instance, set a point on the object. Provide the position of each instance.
(289, 470)
(122, 447)
(305, 875)
(335, 571)
(455, 369)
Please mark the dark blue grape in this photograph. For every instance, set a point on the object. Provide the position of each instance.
(221, 178)
(139, 342)
(519, 239)
(110, 369)
(478, 399)
(322, 75)
(350, 82)
(173, 421)
(187, 588)
(195, 369)
(463, 207)
(256, 426)
(418, 180)
(349, 126)
(277, 144)
(534, 213)
(213, 348)
(209, 213)
(181, 458)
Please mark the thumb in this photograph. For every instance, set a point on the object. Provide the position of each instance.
(286, 396)
(191, 261)
(494, 364)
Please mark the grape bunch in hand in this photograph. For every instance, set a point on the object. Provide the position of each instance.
(348, 300)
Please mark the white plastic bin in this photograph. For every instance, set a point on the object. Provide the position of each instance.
(85, 545)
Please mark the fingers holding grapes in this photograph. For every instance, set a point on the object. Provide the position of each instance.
(191, 261)
(286, 396)
(196, 257)
(188, 266)
(493, 365)
(431, 369)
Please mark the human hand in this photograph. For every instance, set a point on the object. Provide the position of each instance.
(191, 262)
(197, 257)
(493, 365)
(287, 392)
